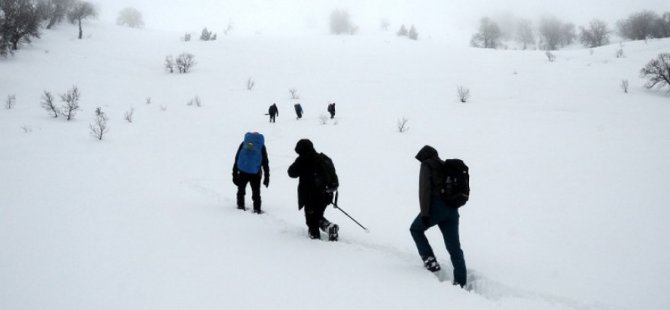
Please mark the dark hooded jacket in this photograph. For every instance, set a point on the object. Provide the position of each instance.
(430, 177)
(304, 168)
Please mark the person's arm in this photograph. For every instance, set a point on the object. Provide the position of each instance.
(424, 189)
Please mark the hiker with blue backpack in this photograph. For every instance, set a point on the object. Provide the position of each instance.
(443, 188)
(316, 185)
(251, 163)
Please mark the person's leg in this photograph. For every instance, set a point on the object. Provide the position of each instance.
(255, 181)
(418, 231)
(312, 221)
(449, 228)
(241, 189)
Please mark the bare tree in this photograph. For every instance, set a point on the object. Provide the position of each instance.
(525, 34)
(657, 71)
(54, 11)
(294, 93)
(402, 125)
(99, 126)
(463, 93)
(129, 115)
(340, 23)
(488, 35)
(48, 103)
(185, 62)
(638, 26)
(130, 17)
(81, 10)
(10, 102)
(555, 33)
(70, 103)
(597, 34)
(624, 86)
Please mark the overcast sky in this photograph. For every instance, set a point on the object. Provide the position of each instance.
(265, 16)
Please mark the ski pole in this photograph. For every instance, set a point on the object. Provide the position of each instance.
(345, 213)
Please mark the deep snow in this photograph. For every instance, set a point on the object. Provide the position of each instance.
(569, 204)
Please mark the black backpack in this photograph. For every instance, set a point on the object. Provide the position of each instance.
(325, 177)
(456, 187)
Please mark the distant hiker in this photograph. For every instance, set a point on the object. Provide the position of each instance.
(313, 193)
(298, 110)
(251, 156)
(435, 211)
(331, 109)
(274, 112)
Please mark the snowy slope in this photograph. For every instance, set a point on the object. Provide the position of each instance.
(568, 211)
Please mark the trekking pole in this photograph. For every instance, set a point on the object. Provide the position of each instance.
(345, 213)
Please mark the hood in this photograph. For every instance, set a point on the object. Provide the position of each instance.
(304, 146)
(427, 152)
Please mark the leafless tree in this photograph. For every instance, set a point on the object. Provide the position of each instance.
(185, 62)
(488, 36)
(555, 33)
(130, 17)
(99, 126)
(597, 34)
(402, 125)
(340, 23)
(624, 86)
(294, 93)
(70, 103)
(20, 22)
(463, 93)
(10, 102)
(657, 71)
(639, 25)
(525, 34)
(81, 10)
(129, 115)
(48, 103)
(55, 11)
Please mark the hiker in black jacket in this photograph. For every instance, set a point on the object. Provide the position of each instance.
(331, 110)
(313, 199)
(251, 162)
(434, 211)
(274, 112)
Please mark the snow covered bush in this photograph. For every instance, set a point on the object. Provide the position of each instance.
(169, 64)
(402, 125)
(402, 32)
(185, 62)
(294, 93)
(130, 17)
(70, 103)
(10, 102)
(187, 37)
(323, 119)
(48, 103)
(385, 24)
(463, 93)
(624, 86)
(340, 23)
(657, 71)
(99, 126)
(129, 115)
(413, 34)
(619, 52)
(207, 35)
(195, 102)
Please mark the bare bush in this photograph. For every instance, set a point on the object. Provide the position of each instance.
(657, 71)
(163, 108)
(147, 100)
(597, 34)
(207, 35)
(340, 23)
(619, 52)
(195, 102)
(385, 24)
(463, 93)
(48, 103)
(402, 125)
(402, 32)
(413, 34)
(550, 56)
(169, 64)
(229, 28)
(294, 93)
(130, 17)
(99, 126)
(250, 84)
(185, 62)
(323, 119)
(70, 103)
(129, 115)
(187, 37)
(10, 102)
(624, 86)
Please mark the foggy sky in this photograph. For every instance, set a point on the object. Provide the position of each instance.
(267, 16)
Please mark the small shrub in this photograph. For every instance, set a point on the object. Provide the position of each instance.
(624, 86)
(413, 34)
(70, 103)
(205, 35)
(250, 84)
(185, 62)
(550, 56)
(99, 126)
(294, 93)
(402, 32)
(657, 71)
(48, 103)
(10, 102)
(129, 115)
(147, 100)
(323, 119)
(402, 125)
(619, 53)
(463, 93)
(169, 64)
(195, 102)
(187, 37)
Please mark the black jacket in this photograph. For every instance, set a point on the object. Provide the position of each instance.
(273, 110)
(430, 177)
(304, 168)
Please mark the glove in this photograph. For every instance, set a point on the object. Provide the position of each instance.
(236, 178)
(266, 180)
(425, 220)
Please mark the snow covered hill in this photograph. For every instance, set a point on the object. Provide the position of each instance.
(569, 204)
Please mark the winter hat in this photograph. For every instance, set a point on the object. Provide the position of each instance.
(304, 146)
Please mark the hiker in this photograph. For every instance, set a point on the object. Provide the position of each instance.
(331, 110)
(251, 156)
(434, 211)
(273, 112)
(298, 110)
(312, 196)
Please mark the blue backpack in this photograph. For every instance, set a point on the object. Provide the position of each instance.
(250, 158)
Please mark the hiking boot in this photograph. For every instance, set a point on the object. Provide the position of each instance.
(241, 208)
(316, 236)
(258, 211)
(333, 232)
(431, 264)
